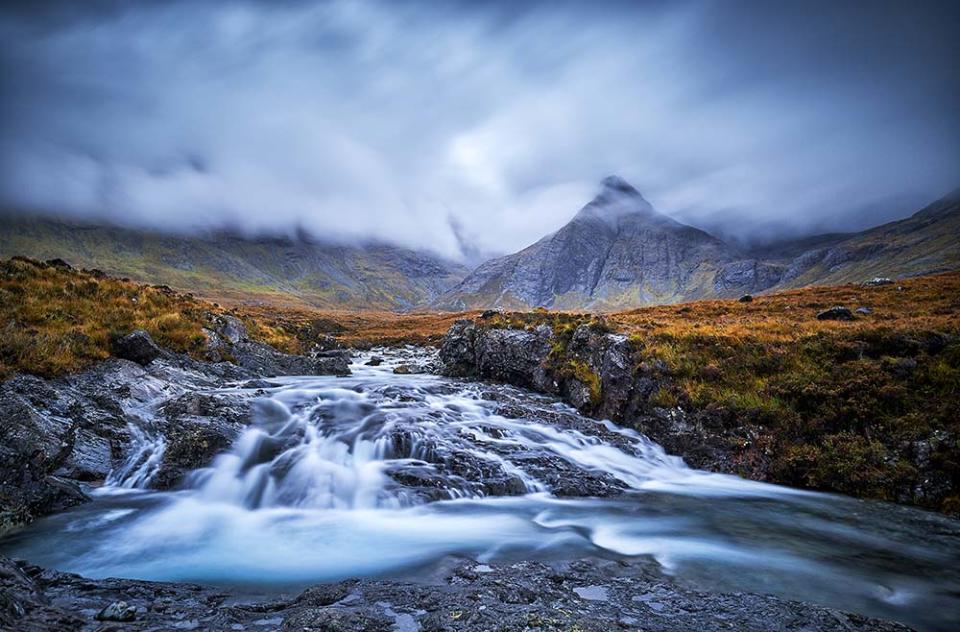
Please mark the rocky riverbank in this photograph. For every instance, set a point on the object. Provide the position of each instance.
(148, 415)
(587, 595)
(865, 425)
(63, 434)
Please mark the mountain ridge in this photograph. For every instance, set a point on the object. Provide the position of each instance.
(296, 272)
(616, 252)
(619, 252)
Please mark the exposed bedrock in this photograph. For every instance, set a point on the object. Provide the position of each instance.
(589, 595)
(148, 416)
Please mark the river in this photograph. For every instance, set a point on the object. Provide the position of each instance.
(378, 474)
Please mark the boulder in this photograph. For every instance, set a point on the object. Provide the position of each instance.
(138, 347)
(515, 356)
(458, 350)
(836, 312)
(117, 611)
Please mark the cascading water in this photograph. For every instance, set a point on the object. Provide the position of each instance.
(141, 465)
(383, 474)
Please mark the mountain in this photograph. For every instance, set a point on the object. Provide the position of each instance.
(924, 243)
(294, 272)
(618, 252)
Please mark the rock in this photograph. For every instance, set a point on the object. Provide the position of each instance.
(863, 310)
(265, 360)
(514, 356)
(901, 368)
(878, 281)
(33, 444)
(138, 347)
(59, 263)
(374, 361)
(232, 329)
(458, 350)
(591, 595)
(117, 611)
(325, 342)
(746, 298)
(335, 620)
(406, 369)
(837, 312)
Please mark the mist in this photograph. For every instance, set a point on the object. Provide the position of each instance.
(474, 130)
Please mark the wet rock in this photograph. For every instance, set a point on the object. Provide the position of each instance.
(138, 347)
(117, 611)
(374, 361)
(33, 444)
(325, 594)
(200, 427)
(588, 595)
(837, 312)
(334, 620)
(406, 369)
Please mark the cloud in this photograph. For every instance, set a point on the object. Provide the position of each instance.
(471, 129)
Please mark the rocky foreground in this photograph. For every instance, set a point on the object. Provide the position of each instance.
(55, 434)
(585, 595)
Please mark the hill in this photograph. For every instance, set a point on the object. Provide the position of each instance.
(280, 271)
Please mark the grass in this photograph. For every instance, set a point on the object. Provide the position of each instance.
(56, 320)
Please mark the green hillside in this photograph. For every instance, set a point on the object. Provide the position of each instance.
(223, 267)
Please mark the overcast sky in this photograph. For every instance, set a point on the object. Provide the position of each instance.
(435, 124)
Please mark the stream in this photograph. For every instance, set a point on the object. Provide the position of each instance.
(384, 475)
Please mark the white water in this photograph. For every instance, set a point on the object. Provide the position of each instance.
(382, 474)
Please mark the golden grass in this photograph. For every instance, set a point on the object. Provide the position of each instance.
(55, 320)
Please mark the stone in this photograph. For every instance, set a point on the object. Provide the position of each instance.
(458, 350)
(117, 611)
(746, 298)
(836, 312)
(863, 310)
(138, 347)
(876, 281)
(374, 361)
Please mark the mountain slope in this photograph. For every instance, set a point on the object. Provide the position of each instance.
(280, 271)
(616, 252)
(924, 243)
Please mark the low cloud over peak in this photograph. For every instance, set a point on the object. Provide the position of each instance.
(468, 129)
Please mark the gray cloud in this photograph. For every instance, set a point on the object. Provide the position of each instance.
(454, 126)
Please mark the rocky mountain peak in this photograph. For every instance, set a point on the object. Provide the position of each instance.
(616, 184)
(617, 199)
